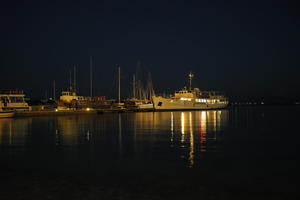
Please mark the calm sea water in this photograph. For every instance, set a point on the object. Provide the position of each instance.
(237, 153)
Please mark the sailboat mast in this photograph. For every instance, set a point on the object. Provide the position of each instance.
(54, 90)
(150, 90)
(119, 81)
(70, 74)
(91, 76)
(133, 86)
(74, 78)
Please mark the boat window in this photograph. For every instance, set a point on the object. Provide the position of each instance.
(4, 99)
(16, 99)
(159, 104)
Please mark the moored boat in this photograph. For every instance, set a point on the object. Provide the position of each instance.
(138, 105)
(13, 101)
(190, 99)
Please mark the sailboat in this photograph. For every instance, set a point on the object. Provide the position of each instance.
(141, 99)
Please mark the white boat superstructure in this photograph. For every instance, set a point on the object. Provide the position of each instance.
(13, 101)
(69, 96)
(139, 105)
(188, 99)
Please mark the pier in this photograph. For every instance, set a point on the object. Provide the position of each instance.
(73, 112)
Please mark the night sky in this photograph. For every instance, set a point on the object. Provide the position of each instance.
(244, 48)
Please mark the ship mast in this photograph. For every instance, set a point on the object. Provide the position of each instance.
(74, 79)
(150, 90)
(91, 76)
(119, 81)
(54, 90)
(133, 86)
(70, 74)
(191, 75)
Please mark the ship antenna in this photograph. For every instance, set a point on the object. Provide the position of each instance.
(191, 75)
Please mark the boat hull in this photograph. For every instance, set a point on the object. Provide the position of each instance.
(161, 103)
(4, 114)
(148, 106)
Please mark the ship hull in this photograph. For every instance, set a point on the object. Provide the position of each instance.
(6, 114)
(161, 103)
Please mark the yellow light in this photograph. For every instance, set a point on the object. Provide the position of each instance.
(185, 99)
(56, 110)
(88, 109)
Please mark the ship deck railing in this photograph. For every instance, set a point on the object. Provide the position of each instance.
(8, 92)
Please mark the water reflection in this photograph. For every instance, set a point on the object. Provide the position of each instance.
(191, 154)
(120, 133)
(202, 145)
(208, 123)
(172, 128)
(181, 136)
(14, 132)
(182, 127)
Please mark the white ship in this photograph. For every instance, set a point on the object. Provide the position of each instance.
(188, 99)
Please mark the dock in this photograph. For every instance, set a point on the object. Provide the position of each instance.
(54, 113)
(70, 112)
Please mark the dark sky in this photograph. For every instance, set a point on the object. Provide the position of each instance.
(244, 48)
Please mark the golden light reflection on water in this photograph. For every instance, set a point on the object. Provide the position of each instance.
(172, 128)
(68, 129)
(182, 126)
(120, 133)
(208, 124)
(12, 131)
(191, 153)
(191, 133)
(215, 120)
(202, 145)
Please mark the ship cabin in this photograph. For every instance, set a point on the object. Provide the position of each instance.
(69, 96)
(184, 94)
(190, 95)
(204, 97)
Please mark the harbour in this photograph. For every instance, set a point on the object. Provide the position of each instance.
(70, 103)
(149, 100)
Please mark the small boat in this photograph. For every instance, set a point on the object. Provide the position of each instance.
(138, 105)
(13, 100)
